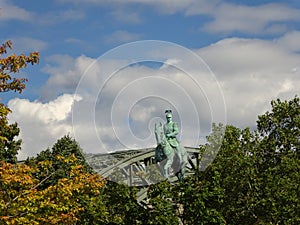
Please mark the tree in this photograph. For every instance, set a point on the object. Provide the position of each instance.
(21, 202)
(9, 65)
(162, 207)
(221, 193)
(64, 147)
(67, 146)
(123, 208)
(94, 209)
(278, 163)
(254, 178)
(9, 147)
(280, 128)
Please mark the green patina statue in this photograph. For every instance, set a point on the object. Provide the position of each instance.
(168, 146)
(171, 130)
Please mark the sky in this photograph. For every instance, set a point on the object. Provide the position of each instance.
(109, 69)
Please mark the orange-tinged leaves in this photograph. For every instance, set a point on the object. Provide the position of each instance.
(12, 64)
(22, 203)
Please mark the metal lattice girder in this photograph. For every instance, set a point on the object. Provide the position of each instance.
(132, 167)
(134, 163)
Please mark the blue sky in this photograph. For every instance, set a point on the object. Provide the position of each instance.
(251, 47)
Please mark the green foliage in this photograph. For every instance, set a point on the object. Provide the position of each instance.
(201, 197)
(9, 147)
(162, 209)
(122, 205)
(63, 148)
(278, 163)
(280, 129)
(254, 178)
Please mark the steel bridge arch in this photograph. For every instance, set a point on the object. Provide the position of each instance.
(136, 168)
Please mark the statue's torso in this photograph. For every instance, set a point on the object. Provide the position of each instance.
(171, 128)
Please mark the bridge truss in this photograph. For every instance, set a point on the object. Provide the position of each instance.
(138, 168)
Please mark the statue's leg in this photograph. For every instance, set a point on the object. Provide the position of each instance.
(168, 165)
(178, 152)
(182, 162)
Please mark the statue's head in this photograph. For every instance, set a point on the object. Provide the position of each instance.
(168, 113)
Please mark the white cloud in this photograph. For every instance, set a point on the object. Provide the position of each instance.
(123, 111)
(27, 44)
(42, 124)
(121, 101)
(266, 18)
(59, 16)
(189, 7)
(121, 36)
(141, 114)
(290, 41)
(252, 73)
(9, 11)
(169, 6)
(71, 14)
(126, 16)
(224, 17)
(65, 73)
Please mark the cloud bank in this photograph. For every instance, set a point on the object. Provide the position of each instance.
(41, 124)
(249, 72)
(224, 16)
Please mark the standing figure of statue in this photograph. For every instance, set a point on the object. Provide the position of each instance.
(171, 130)
(163, 151)
(168, 146)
